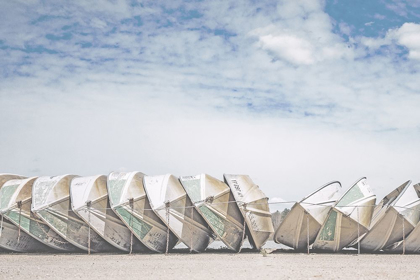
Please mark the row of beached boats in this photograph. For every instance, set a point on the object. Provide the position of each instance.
(328, 221)
(130, 212)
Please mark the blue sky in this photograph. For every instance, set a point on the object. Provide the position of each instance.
(293, 93)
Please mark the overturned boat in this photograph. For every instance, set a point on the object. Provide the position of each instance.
(253, 204)
(410, 213)
(15, 206)
(400, 206)
(170, 202)
(302, 224)
(216, 204)
(128, 200)
(348, 220)
(11, 237)
(89, 200)
(51, 203)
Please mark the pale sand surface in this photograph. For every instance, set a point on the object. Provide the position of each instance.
(209, 265)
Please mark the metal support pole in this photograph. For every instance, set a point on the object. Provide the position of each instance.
(167, 205)
(131, 201)
(88, 205)
(403, 227)
(192, 229)
(307, 231)
(358, 232)
(244, 227)
(19, 203)
(1, 225)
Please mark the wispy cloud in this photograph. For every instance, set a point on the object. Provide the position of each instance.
(170, 85)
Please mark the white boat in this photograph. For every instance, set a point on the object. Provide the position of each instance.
(410, 216)
(10, 237)
(306, 217)
(128, 200)
(180, 216)
(4, 177)
(400, 206)
(89, 200)
(15, 206)
(51, 203)
(348, 220)
(254, 208)
(216, 204)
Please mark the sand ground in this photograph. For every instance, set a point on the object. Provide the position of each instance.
(209, 265)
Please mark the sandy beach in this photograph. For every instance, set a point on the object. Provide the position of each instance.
(209, 265)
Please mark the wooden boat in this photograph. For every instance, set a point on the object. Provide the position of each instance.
(348, 220)
(253, 205)
(128, 200)
(307, 216)
(89, 200)
(400, 206)
(180, 216)
(216, 204)
(51, 203)
(15, 206)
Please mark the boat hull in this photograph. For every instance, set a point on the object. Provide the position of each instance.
(294, 229)
(9, 240)
(254, 207)
(99, 214)
(129, 202)
(181, 216)
(216, 204)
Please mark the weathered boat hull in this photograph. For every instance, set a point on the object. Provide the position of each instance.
(216, 204)
(293, 231)
(11, 241)
(388, 231)
(51, 203)
(254, 207)
(348, 220)
(19, 191)
(181, 216)
(304, 221)
(412, 243)
(129, 202)
(390, 224)
(89, 196)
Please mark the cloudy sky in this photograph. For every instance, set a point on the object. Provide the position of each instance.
(293, 93)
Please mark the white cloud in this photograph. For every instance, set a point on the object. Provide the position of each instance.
(408, 35)
(275, 94)
(289, 48)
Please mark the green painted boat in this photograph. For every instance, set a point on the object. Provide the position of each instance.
(216, 204)
(51, 203)
(129, 201)
(15, 206)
